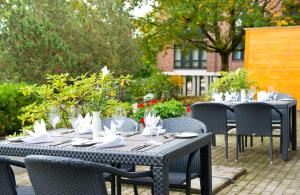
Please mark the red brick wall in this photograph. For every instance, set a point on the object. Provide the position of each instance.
(165, 61)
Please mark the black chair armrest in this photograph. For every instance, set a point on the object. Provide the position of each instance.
(13, 162)
(276, 110)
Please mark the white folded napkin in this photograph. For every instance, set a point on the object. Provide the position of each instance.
(84, 124)
(228, 97)
(110, 131)
(263, 96)
(217, 97)
(110, 141)
(39, 135)
(151, 122)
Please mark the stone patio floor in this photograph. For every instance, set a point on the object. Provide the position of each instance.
(283, 177)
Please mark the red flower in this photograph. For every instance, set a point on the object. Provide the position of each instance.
(140, 105)
(152, 102)
(188, 109)
(142, 120)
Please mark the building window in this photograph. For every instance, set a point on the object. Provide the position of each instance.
(238, 53)
(190, 59)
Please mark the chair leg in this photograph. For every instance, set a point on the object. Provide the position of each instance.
(246, 142)
(271, 149)
(261, 139)
(251, 141)
(119, 187)
(152, 190)
(188, 187)
(135, 189)
(213, 141)
(237, 147)
(226, 147)
(113, 185)
(243, 144)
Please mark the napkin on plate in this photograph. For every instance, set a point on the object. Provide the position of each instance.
(217, 97)
(110, 141)
(262, 96)
(39, 135)
(84, 124)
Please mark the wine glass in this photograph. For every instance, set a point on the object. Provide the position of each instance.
(152, 123)
(54, 117)
(119, 118)
(271, 92)
(74, 119)
(251, 93)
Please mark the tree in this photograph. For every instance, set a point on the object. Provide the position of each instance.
(76, 36)
(214, 25)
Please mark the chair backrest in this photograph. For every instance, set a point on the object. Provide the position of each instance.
(212, 114)
(283, 96)
(129, 125)
(253, 118)
(7, 178)
(58, 175)
(184, 124)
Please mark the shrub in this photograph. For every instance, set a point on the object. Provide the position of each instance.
(233, 81)
(11, 100)
(162, 86)
(168, 109)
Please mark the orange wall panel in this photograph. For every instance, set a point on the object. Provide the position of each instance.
(272, 57)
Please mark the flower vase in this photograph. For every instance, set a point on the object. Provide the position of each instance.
(96, 126)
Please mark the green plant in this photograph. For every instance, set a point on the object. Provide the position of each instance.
(87, 93)
(168, 109)
(158, 84)
(11, 100)
(232, 81)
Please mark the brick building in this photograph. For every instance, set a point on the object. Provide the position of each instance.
(197, 67)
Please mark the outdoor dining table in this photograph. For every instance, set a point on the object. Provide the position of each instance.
(158, 157)
(288, 109)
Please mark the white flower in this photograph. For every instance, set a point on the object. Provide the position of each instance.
(148, 97)
(104, 71)
(134, 107)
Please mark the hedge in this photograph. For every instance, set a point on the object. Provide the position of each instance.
(11, 100)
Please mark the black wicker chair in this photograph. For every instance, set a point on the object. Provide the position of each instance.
(129, 126)
(214, 116)
(183, 170)
(58, 175)
(7, 178)
(255, 118)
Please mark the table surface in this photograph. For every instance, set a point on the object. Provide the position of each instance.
(171, 148)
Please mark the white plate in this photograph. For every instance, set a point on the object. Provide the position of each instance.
(186, 135)
(286, 99)
(83, 143)
(16, 139)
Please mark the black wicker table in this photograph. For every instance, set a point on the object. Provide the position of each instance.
(158, 157)
(289, 124)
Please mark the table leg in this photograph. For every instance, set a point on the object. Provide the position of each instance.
(161, 180)
(285, 134)
(294, 127)
(205, 175)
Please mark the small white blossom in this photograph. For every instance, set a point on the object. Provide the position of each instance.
(134, 107)
(104, 71)
(148, 97)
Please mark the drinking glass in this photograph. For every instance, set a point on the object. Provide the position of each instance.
(151, 122)
(118, 119)
(54, 117)
(251, 93)
(74, 120)
(271, 92)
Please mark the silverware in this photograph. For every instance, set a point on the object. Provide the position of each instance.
(140, 147)
(60, 143)
(131, 134)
